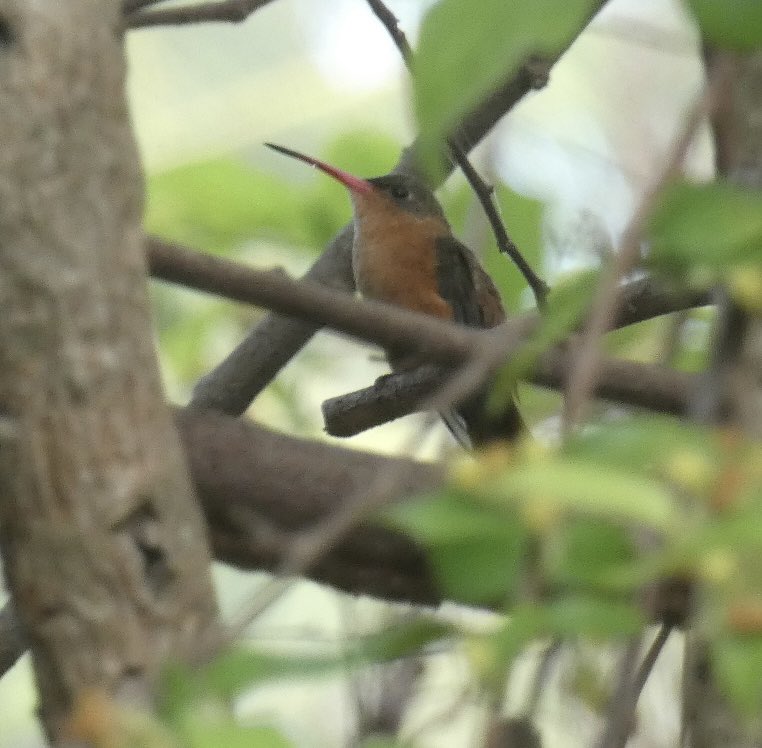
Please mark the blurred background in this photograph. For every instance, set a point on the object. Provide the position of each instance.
(570, 162)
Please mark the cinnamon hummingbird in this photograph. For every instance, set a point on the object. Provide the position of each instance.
(404, 253)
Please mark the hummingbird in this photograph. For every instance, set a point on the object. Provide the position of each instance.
(404, 253)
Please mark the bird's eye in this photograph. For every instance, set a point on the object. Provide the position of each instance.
(399, 192)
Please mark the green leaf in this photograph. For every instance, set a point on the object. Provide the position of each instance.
(214, 205)
(399, 640)
(202, 734)
(587, 488)
(217, 205)
(585, 553)
(476, 550)
(524, 624)
(466, 49)
(239, 669)
(369, 152)
(738, 663)
(446, 517)
(645, 446)
(594, 618)
(480, 571)
(572, 616)
(232, 673)
(567, 304)
(706, 225)
(733, 24)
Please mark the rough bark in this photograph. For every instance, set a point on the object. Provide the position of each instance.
(104, 548)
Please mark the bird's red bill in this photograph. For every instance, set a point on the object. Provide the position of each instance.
(356, 184)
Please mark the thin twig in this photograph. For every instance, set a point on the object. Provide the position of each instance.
(385, 325)
(392, 25)
(619, 718)
(541, 677)
(230, 11)
(630, 685)
(647, 665)
(587, 355)
(485, 195)
(483, 191)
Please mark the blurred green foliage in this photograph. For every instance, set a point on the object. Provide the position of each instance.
(732, 24)
(710, 226)
(566, 305)
(197, 702)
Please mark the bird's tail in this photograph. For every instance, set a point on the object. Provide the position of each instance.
(458, 428)
(474, 427)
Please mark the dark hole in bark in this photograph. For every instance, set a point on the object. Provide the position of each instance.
(7, 34)
(143, 529)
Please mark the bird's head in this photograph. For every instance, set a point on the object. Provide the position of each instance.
(378, 195)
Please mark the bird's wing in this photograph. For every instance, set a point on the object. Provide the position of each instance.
(455, 281)
(475, 302)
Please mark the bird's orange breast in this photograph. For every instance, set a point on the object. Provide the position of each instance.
(394, 256)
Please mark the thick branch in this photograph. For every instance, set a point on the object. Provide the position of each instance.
(260, 489)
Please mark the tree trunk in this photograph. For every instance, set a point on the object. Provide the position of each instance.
(104, 547)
